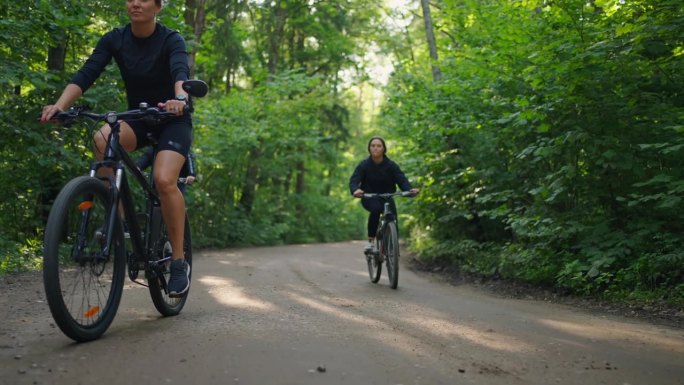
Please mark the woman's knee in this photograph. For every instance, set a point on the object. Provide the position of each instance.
(100, 139)
(165, 182)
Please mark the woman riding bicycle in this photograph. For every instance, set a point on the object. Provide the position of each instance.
(153, 62)
(377, 174)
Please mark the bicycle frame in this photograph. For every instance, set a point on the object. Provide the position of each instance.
(387, 216)
(387, 213)
(118, 159)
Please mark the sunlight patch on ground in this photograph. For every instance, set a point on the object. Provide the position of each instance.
(378, 330)
(447, 330)
(411, 340)
(227, 292)
(610, 332)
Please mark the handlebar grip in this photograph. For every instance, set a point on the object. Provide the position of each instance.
(166, 113)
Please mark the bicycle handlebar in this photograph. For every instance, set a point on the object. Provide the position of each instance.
(388, 195)
(142, 113)
(194, 87)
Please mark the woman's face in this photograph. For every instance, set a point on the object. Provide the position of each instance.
(142, 10)
(376, 148)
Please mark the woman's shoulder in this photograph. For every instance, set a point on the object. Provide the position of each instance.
(115, 37)
(386, 161)
(365, 162)
(170, 37)
(119, 31)
(168, 32)
(390, 163)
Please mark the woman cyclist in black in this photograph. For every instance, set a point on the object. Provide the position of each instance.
(153, 62)
(377, 174)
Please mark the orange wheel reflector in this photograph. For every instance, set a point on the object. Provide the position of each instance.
(85, 205)
(91, 312)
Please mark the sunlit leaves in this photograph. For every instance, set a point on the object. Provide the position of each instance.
(569, 117)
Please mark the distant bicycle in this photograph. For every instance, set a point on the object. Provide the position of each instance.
(387, 241)
(85, 254)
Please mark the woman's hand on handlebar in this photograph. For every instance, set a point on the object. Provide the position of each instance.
(414, 191)
(49, 112)
(358, 193)
(175, 106)
(69, 95)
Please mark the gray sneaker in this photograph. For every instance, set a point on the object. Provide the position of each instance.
(179, 281)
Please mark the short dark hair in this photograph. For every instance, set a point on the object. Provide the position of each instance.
(384, 146)
(159, 2)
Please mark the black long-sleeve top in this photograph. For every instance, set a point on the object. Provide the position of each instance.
(378, 178)
(188, 169)
(150, 66)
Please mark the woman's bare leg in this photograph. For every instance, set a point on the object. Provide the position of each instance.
(167, 167)
(127, 140)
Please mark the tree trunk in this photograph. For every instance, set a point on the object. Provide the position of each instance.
(430, 35)
(276, 36)
(57, 56)
(249, 188)
(195, 17)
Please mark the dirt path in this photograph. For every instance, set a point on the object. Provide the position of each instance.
(309, 315)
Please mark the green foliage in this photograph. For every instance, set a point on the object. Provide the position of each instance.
(15, 257)
(281, 121)
(555, 135)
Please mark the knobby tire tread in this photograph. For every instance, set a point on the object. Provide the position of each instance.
(392, 257)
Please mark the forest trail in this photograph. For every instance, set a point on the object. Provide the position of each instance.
(308, 314)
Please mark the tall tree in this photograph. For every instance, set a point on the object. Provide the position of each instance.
(195, 19)
(430, 37)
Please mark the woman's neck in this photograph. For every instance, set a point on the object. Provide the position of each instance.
(378, 159)
(143, 30)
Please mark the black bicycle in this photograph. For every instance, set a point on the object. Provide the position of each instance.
(387, 241)
(85, 249)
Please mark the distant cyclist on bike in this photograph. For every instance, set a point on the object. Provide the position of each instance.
(377, 174)
(153, 62)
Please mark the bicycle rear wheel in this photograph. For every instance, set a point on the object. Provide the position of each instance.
(158, 277)
(374, 264)
(392, 254)
(82, 287)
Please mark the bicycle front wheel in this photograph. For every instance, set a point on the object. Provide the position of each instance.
(374, 264)
(392, 254)
(83, 287)
(158, 276)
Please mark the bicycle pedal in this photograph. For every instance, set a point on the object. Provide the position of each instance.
(133, 274)
(99, 235)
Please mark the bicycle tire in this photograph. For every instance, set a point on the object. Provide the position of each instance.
(82, 290)
(166, 305)
(374, 264)
(392, 254)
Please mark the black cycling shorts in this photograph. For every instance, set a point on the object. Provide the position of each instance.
(174, 135)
